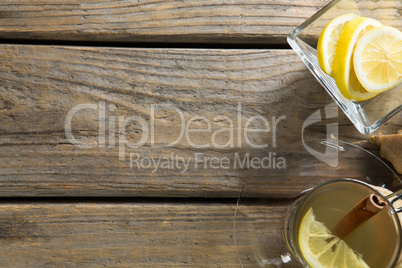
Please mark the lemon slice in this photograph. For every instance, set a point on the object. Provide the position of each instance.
(343, 71)
(321, 249)
(328, 40)
(378, 59)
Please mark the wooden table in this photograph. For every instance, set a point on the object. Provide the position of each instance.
(144, 66)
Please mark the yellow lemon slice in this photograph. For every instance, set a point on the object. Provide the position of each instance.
(328, 40)
(377, 59)
(321, 249)
(343, 70)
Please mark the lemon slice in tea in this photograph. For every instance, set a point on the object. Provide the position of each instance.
(321, 249)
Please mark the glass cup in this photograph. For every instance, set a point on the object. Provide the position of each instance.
(266, 195)
(377, 241)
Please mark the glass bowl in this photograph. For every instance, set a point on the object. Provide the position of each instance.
(369, 115)
(264, 200)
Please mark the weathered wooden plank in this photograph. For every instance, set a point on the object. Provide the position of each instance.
(189, 21)
(134, 234)
(40, 85)
(253, 21)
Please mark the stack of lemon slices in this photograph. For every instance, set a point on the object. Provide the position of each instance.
(362, 55)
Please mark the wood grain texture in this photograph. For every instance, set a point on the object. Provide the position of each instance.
(40, 85)
(215, 21)
(134, 234)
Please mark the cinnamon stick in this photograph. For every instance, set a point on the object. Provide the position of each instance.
(358, 215)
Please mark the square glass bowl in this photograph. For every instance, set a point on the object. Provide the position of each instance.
(369, 115)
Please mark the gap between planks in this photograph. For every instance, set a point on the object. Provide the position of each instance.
(146, 45)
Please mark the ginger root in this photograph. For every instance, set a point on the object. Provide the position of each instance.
(390, 149)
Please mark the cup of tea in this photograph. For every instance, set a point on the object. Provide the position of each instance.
(315, 223)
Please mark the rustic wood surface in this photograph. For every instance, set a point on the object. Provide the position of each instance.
(41, 84)
(132, 234)
(173, 21)
(155, 21)
(100, 222)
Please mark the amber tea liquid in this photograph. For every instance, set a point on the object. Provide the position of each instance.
(377, 240)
